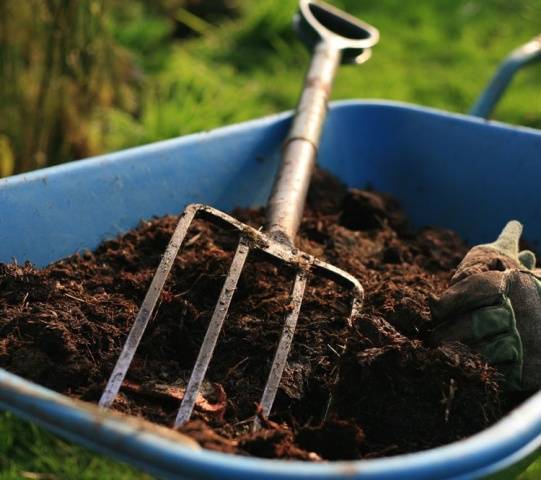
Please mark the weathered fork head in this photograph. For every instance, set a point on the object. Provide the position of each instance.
(334, 37)
(303, 264)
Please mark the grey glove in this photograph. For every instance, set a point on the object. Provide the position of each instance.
(493, 304)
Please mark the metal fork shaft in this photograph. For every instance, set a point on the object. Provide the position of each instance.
(286, 202)
(147, 307)
(280, 358)
(213, 331)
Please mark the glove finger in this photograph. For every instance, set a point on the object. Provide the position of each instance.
(501, 254)
(527, 259)
(507, 242)
(482, 259)
(477, 326)
(475, 291)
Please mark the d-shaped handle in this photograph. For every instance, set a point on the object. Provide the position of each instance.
(318, 21)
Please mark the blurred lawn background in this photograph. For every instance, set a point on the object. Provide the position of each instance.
(79, 78)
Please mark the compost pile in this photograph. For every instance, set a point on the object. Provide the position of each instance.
(387, 389)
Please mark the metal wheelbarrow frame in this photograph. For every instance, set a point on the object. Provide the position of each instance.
(418, 154)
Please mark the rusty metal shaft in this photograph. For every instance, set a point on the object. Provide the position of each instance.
(286, 203)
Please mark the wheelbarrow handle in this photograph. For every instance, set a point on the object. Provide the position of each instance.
(518, 58)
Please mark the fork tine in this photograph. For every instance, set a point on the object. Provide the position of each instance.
(284, 345)
(213, 331)
(147, 307)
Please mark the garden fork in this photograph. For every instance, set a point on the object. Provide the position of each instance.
(335, 38)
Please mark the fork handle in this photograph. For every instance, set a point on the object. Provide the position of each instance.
(288, 196)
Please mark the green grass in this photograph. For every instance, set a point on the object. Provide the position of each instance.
(439, 54)
(436, 53)
(532, 473)
(27, 451)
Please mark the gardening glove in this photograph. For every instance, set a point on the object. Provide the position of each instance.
(493, 304)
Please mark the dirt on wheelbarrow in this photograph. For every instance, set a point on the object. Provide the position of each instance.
(386, 388)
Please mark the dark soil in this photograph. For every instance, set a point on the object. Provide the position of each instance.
(389, 390)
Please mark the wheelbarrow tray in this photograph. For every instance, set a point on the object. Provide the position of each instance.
(447, 170)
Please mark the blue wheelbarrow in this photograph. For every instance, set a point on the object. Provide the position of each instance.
(417, 154)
